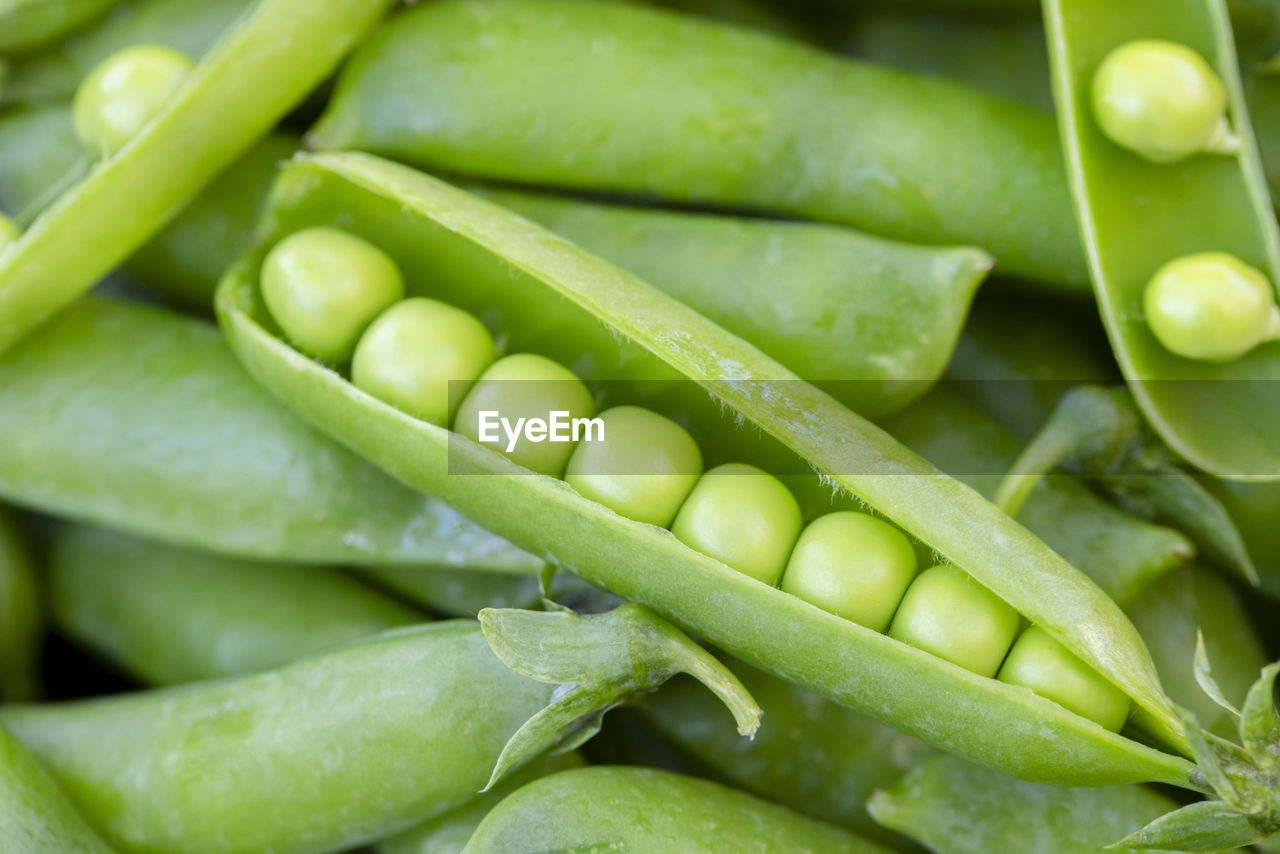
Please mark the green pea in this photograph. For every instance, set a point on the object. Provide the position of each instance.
(643, 469)
(9, 232)
(124, 93)
(1161, 100)
(421, 356)
(853, 565)
(1040, 663)
(1211, 306)
(743, 517)
(947, 613)
(324, 286)
(521, 404)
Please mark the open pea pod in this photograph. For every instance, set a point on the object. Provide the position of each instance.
(55, 73)
(244, 85)
(1137, 216)
(482, 257)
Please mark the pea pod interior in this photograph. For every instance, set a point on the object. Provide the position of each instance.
(1137, 215)
(484, 253)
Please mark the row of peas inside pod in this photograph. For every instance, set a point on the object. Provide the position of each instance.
(338, 298)
(1162, 101)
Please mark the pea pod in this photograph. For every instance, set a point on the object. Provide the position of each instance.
(642, 809)
(37, 817)
(720, 117)
(238, 91)
(28, 24)
(54, 74)
(21, 621)
(1189, 603)
(438, 234)
(141, 420)
(194, 768)
(170, 615)
(954, 807)
(1140, 218)
(1003, 56)
(812, 755)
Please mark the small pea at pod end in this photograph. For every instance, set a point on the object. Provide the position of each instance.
(743, 517)
(1161, 100)
(323, 287)
(644, 468)
(949, 614)
(123, 93)
(1211, 306)
(1040, 663)
(514, 391)
(854, 565)
(422, 356)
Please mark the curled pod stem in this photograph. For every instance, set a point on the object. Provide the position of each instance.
(435, 232)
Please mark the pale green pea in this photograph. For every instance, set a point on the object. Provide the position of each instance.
(1211, 306)
(743, 517)
(853, 565)
(1161, 100)
(949, 614)
(525, 388)
(124, 93)
(1040, 663)
(643, 470)
(422, 356)
(324, 287)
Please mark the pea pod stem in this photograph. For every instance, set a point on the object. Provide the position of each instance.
(506, 256)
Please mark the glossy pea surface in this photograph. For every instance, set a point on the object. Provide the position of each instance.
(1211, 306)
(643, 470)
(325, 286)
(421, 356)
(741, 516)
(1159, 99)
(947, 613)
(853, 565)
(524, 387)
(125, 92)
(1040, 663)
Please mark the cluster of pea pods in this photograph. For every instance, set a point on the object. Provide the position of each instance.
(457, 373)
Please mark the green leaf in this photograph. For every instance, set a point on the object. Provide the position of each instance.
(1260, 723)
(1204, 677)
(1203, 826)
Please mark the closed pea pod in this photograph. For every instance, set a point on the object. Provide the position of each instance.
(37, 817)
(725, 117)
(642, 809)
(140, 419)
(514, 268)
